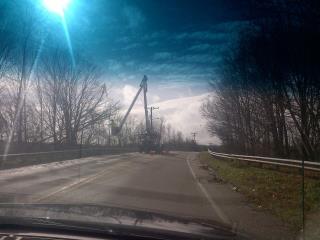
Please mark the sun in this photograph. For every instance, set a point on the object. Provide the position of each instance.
(56, 6)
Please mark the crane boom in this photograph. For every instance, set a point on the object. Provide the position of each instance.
(148, 139)
(143, 86)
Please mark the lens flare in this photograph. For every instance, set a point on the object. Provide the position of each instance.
(66, 32)
(59, 7)
(56, 6)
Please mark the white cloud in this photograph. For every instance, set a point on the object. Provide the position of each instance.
(202, 35)
(114, 65)
(162, 56)
(197, 58)
(131, 46)
(200, 47)
(184, 115)
(155, 98)
(128, 93)
(134, 16)
(153, 43)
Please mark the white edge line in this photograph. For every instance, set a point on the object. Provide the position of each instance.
(214, 206)
(75, 183)
(12, 173)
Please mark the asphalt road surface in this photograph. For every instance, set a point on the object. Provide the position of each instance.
(161, 183)
(173, 184)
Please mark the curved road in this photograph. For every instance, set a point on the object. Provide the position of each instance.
(162, 183)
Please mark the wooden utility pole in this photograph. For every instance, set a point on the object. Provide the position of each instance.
(194, 134)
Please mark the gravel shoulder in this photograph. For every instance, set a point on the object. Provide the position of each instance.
(244, 217)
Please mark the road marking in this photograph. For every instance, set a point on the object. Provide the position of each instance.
(214, 206)
(7, 174)
(75, 183)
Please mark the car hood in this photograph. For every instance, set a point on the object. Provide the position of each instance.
(115, 216)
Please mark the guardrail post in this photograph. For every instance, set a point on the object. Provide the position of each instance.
(81, 137)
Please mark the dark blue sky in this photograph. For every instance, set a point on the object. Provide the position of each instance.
(179, 45)
(175, 43)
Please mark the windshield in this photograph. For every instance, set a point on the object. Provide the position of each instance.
(207, 111)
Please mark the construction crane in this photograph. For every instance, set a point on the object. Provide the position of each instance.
(148, 140)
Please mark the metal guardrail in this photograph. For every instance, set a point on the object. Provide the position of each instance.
(25, 159)
(280, 162)
(53, 152)
(75, 150)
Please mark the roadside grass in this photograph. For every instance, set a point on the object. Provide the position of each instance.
(277, 192)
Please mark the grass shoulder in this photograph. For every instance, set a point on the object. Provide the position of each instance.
(277, 192)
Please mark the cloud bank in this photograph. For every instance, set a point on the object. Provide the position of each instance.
(182, 113)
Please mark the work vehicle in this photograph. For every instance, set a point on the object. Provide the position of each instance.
(148, 140)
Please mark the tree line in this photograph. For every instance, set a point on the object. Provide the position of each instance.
(52, 94)
(46, 95)
(164, 133)
(266, 100)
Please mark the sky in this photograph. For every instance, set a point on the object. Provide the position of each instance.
(179, 45)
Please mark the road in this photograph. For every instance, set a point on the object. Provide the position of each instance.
(161, 183)
(173, 184)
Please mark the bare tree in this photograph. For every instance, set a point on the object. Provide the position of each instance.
(267, 99)
(75, 99)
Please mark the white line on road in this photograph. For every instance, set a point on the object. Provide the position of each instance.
(214, 206)
(76, 183)
(6, 174)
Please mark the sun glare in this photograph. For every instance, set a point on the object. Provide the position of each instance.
(56, 6)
